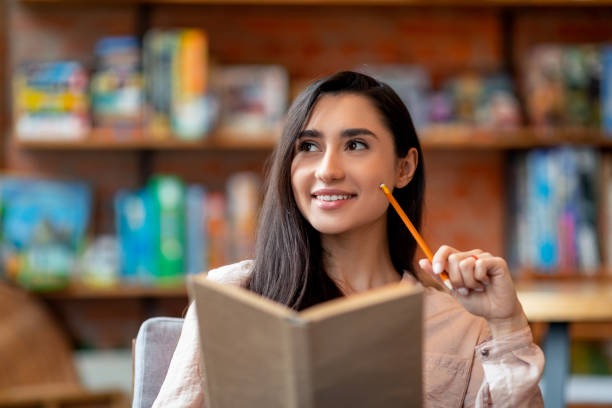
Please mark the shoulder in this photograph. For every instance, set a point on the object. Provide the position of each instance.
(232, 274)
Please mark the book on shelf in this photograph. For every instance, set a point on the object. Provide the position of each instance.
(151, 230)
(116, 91)
(362, 350)
(168, 228)
(196, 229)
(243, 191)
(562, 85)
(482, 100)
(605, 210)
(554, 198)
(175, 65)
(606, 90)
(40, 239)
(51, 100)
(253, 100)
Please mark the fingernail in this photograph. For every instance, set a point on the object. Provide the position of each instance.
(422, 263)
(438, 268)
(463, 291)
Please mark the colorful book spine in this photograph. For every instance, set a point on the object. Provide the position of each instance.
(168, 194)
(243, 191)
(196, 229)
(587, 238)
(134, 214)
(606, 90)
(542, 218)
(190, 111)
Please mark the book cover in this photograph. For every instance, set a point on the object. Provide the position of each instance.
(544, 87)
(51, 101)
(137, 235)
(582, 77)
(192, 113)
(116, 91)
(39, 240)
(168, 193)
(542, 209)
(364, 350)
(158, 56)
(253, 100)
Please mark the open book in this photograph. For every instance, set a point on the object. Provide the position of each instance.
(363, 350)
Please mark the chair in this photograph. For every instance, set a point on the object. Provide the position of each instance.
(152, 352)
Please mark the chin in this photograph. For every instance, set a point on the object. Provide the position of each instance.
(327, 229)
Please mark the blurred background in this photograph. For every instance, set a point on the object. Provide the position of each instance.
(135, 136)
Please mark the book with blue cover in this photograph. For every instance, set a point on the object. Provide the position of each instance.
(43, 227)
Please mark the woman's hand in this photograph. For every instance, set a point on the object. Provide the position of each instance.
(483, 285)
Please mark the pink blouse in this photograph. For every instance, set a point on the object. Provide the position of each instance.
(472, 370)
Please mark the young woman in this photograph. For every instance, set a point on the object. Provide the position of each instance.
(326, 230)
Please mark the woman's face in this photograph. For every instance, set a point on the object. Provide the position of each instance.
(343, 154)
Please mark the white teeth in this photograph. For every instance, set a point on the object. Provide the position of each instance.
(333, 197)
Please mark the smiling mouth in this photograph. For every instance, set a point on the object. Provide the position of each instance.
(334, 197)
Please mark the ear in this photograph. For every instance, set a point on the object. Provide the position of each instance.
(406, 166)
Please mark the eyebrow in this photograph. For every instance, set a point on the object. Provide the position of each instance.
(350, 132)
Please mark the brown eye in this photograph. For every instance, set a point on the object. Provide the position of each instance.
(356, 145)
(306, 146)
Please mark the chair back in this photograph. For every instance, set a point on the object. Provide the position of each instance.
(153, 349)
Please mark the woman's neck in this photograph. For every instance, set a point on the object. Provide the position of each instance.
(358, 262)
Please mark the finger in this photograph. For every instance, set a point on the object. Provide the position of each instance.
(467, 269)
(440, 258)
(481, 273)
(454, 270)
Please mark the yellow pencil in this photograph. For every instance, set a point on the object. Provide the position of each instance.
(414, 232)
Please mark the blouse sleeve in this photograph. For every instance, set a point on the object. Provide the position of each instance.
(512, 367)
(182, 386)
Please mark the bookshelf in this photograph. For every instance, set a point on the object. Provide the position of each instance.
(317, 37)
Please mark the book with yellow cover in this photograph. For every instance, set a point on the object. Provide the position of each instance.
(362, 350)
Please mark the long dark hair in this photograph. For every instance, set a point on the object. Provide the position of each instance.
(288, 266)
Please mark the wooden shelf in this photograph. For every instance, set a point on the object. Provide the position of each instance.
(566, 301)
(465, 137)
(121, 291)
(433, 138)
(136, 140)
(414, 3)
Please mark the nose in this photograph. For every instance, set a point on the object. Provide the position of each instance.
(330, 167)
